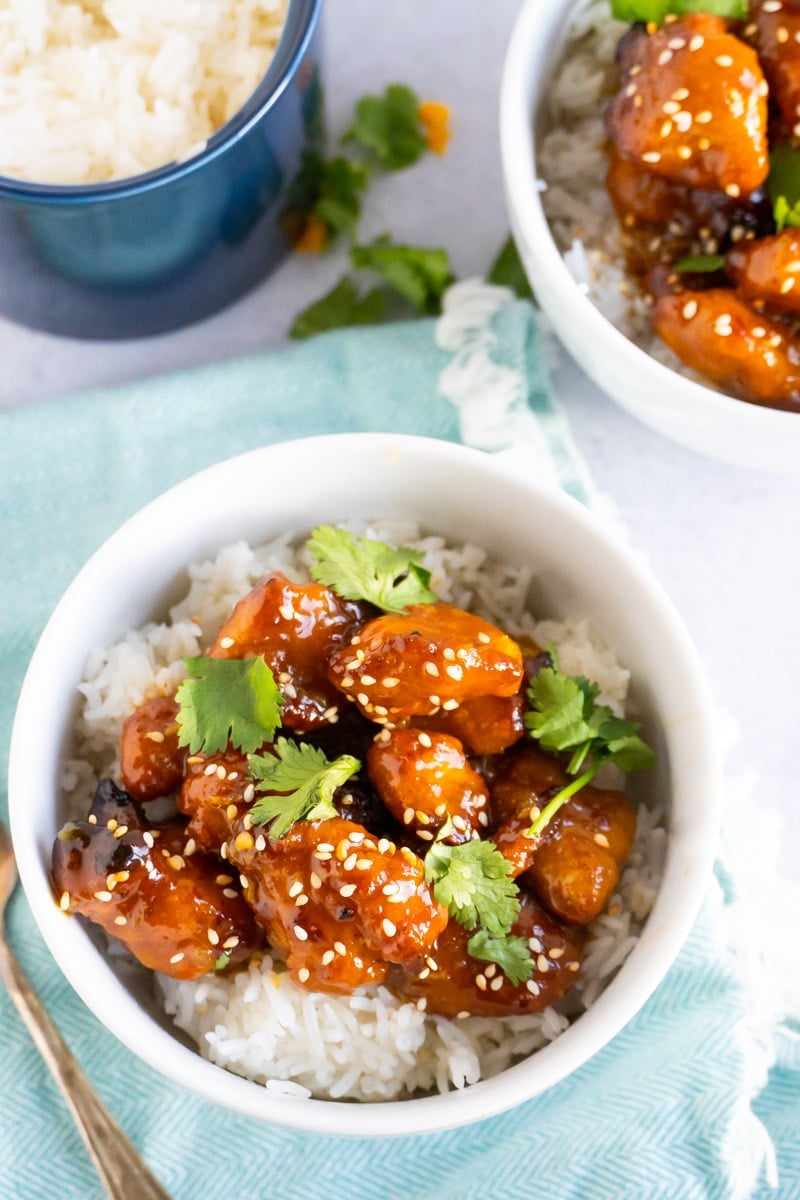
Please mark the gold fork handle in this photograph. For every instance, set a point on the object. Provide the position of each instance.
(122, 1170)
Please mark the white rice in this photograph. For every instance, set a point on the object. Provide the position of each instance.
(92, 90)
(573, 163)
(369, 1046)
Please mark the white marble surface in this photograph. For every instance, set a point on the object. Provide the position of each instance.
(722, 540)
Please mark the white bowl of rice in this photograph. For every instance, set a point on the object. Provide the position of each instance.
(552, 569)
(554, 163)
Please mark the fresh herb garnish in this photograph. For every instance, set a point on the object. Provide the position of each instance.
(363, 569)
(222, 962)
(225, 700)
(300, 782)
(657, 10)
(783, 185)
(512, 954)
(507, 271)
(699, 263)
(564, 716)
(473, 881)
(419, 274)
(324, 196)
(389, 127)
(341, 306)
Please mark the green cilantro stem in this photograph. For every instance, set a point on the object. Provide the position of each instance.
(561, 798)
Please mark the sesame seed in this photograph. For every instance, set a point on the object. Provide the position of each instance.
(303, 974)
(328, 958)
(781, 35)
(92, 819)
(496, 984)
(630, 90)
(683, 121)
(367, 680)
(249, 793)
(462, 1016)
(431, 668)
(340, 948)
(347, 681)
(490, 971)
(223, 850)
(722, 325)
(482, 818)
(435, 700)
(484, 637)
(111, 824)
(261, 843)
(211, 769)
(652, 156)
(364, 864)
(223, 879)
(300, 933)
(408, 855)
(63, 903)
(665, 57)
(724, 60)
(666, 129)
(347, 890)
(380, 710)
(120, 920)
(343, 849)
(226, 643)
(194, 759)
(295, 889)
(325, 847)
(424, 973)
(389, 889)
(705, 117)
(557, 953)
(573, 966)
(533, 987)
(287, 612)
(681, 93)
(350, 861)
(229, 893)
(703, 143)
(230, 942)
(733, 190)
(422, 1004)
(189, 848)
(389, 927)
(676, 43)
(684, 152)
(176, 862)
(155, 735)
(425, 834)
(213, 937)
(460, 824)
(244, 882)
(120, 831)
(455, 671)
(422, 817)
(385, 846)
(601, 840)
(775, 340)
(542, 964)
(103, 897)
(424, 740)
(363, 698)
(696, 43)
(301, 900)
(176, 958)
(535, 945)
(771, 6)
(331, 714)
(787, 285)
(440, 810)
(480, 980)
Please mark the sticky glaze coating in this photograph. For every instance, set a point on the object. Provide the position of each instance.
(344, 900)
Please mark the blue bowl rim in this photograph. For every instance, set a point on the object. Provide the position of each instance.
(301, 21)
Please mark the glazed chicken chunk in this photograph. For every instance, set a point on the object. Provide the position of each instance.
(693, 107)
(151, 889)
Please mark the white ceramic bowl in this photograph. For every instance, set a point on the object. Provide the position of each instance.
(579, 569)
(679, 408)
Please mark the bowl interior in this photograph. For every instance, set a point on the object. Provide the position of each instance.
(578, 570)
(675, 406)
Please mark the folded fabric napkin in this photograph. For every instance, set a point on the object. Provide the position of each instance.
(664, 1111)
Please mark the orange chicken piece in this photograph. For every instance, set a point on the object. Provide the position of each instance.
(693, 107)
(151, 761)
(768, 271)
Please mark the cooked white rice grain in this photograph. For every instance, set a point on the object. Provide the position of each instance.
(94, 90)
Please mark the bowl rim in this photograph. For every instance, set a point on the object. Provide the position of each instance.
(518, 151)
(620, 1000)
(302, 18)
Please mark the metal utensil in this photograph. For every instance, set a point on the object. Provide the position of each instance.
(123, 1172)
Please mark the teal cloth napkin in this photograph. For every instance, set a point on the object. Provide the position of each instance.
(659, 1113)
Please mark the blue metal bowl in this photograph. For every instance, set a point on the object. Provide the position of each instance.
(144, 255)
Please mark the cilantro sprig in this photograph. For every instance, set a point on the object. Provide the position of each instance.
(512, 954)
(299, 782)
(507, 271)
(474, 882)
(565, 716)
(363, 569)
(418, 273)
(226, 700)
(327, 190)
(657, 10)
(342, 306)
(389, 127)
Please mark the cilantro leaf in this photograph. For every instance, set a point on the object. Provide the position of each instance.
(699, 263)
(783, 185)
(473, 881)
(512, 954)
(299, 781)
(507, 271)
(225, 700)
(389, 127)
(657, 10)
(328, 189)
(362, 569)
(341, 306)
(565, 717)
(222, 962)
(420, 275)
